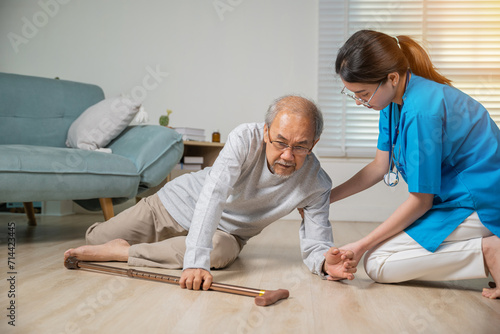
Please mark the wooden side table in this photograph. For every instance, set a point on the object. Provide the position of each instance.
(208, 150)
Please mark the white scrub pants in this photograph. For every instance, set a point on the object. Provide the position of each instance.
(401, 258)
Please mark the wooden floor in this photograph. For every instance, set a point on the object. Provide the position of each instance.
(52, 299)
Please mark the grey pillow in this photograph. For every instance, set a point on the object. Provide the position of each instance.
(97, 126)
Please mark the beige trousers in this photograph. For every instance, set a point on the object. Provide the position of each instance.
(156, 239)
(402, 259)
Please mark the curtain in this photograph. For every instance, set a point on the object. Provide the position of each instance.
(462, 38)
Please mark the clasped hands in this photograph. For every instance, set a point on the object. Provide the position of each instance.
(340, 264)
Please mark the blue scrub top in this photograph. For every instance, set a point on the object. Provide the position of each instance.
(448, 146)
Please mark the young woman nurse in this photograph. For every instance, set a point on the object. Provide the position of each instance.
(445, 146)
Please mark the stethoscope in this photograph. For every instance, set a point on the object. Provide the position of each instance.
(391, 178)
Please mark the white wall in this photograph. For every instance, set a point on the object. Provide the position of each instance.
(222, 69)
(374, 204)
(218, 63)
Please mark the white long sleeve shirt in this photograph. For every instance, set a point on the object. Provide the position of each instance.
(239, 195)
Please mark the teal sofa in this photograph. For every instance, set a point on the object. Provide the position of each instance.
(36, 165)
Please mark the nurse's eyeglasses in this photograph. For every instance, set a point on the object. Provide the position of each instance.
(355, 98)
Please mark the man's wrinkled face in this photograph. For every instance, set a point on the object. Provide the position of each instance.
(289, 140)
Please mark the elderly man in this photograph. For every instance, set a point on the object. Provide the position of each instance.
(202, 220)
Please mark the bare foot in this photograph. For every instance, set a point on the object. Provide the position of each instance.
(491, 252)
(114, 250)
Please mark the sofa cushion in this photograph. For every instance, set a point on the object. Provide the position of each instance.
(31, 173)
(154, 149)
(101, 123)
(39, 111)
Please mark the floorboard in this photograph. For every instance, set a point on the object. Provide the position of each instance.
(52, 299)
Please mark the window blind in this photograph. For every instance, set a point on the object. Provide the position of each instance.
(462, 38)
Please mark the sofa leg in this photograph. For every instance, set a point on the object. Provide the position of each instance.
(30, 212)
(107, 207)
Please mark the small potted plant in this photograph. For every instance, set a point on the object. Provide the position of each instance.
(164, 119)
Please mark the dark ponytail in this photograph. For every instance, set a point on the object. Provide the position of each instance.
(369, 56)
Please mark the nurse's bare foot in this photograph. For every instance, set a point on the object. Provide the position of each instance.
(491, 252)
(114, 250)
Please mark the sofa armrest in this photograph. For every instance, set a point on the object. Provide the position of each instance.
(154, 150)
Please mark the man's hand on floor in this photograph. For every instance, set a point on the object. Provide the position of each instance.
(194, 278)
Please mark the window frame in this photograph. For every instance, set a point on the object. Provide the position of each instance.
(462, 38)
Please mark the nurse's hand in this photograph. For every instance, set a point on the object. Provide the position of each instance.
(339, 264)
(357, 249)
(194, 278)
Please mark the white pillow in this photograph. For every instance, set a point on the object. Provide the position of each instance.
(97, 126)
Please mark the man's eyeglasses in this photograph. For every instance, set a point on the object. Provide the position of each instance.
(296, 150)
(355, 98)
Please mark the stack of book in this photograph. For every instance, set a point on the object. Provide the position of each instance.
(191, 163)
(191, 133)
(188, 164)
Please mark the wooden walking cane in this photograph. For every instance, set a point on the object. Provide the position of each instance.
(262, 297)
